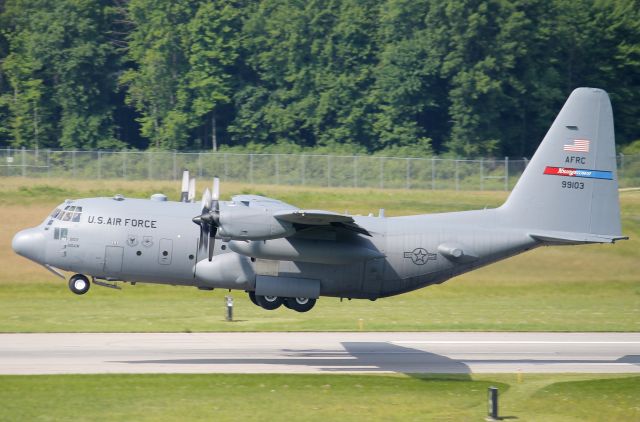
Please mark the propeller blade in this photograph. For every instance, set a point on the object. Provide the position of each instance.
(216, 189)
(212, 241)
(191, 196)
(209, 219)
(185, 186)
(206, 201)
(202, 240)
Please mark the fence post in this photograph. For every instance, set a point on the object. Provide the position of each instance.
(355, 171)
(24, 162)
(433, 173)
(48, 163)
(457, 176)
(381, 172)
(329, 170)
(506, 174)
(408, 184)
(225, 165)
(73, 163)
(124, 165)
(277, 164)
(482, 174)
(251, 168)
(175, 165)
(148, 164)
(200, 164)
(99, 165)
(302, 169)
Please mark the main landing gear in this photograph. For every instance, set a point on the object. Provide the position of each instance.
(79, 284)
(298, 304)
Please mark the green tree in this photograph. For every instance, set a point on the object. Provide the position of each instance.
(311, 70)
(61, 72)
(405, 93)
(184, 53)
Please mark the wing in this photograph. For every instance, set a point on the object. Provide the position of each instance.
(317, 218)
(262, 201)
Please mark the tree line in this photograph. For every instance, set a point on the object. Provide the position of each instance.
(412, 77)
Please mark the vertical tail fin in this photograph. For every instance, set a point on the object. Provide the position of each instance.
(569, 190)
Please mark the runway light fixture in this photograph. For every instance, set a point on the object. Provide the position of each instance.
(492, 396)
(229, 303)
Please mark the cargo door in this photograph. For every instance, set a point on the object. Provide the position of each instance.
(113, 259)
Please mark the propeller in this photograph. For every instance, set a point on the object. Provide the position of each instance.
(209, 219)
(191, 197)
(184, 194)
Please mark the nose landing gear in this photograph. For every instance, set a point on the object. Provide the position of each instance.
(79, 284)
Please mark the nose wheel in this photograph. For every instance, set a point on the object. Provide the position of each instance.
(79, 284)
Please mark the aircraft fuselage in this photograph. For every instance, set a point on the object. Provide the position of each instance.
(138, 240)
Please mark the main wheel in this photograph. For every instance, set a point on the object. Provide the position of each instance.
(79, 284)
(300, 304)
(269, 302)
(252, 297)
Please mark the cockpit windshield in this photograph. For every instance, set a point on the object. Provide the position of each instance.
(69, 213)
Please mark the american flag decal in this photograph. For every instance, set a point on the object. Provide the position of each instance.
(578, 145)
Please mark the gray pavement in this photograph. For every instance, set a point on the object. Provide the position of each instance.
(388, 352)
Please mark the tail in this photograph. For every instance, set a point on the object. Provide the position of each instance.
(569, 191)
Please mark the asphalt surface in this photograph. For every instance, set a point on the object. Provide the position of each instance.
(319, 353)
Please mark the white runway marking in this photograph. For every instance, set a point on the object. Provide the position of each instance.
(340, 352)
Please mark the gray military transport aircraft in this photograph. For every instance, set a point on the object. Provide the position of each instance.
(281, 254)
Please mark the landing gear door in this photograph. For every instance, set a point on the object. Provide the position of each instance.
(113, 259)
(164, 252)
(373, 276)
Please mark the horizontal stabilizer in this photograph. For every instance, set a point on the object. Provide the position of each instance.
(571, 238)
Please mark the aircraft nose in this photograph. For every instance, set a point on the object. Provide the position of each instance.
(30, 244)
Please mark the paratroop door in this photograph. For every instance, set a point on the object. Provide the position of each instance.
(113, 259)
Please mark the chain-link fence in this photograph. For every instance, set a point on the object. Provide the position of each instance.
(283, 169)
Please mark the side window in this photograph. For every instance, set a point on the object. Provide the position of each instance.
(63, 234)
(56, 233)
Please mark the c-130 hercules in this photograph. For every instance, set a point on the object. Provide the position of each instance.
(280, 254)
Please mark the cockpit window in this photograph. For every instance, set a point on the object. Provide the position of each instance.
(70, 213)
(76, 214)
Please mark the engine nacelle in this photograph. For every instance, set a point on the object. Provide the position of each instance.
(241, 222)
(228, 271)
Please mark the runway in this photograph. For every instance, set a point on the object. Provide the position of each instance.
(387, 352)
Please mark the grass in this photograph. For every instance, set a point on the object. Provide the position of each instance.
(586, 288)
(462, 305)
(317, 397)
